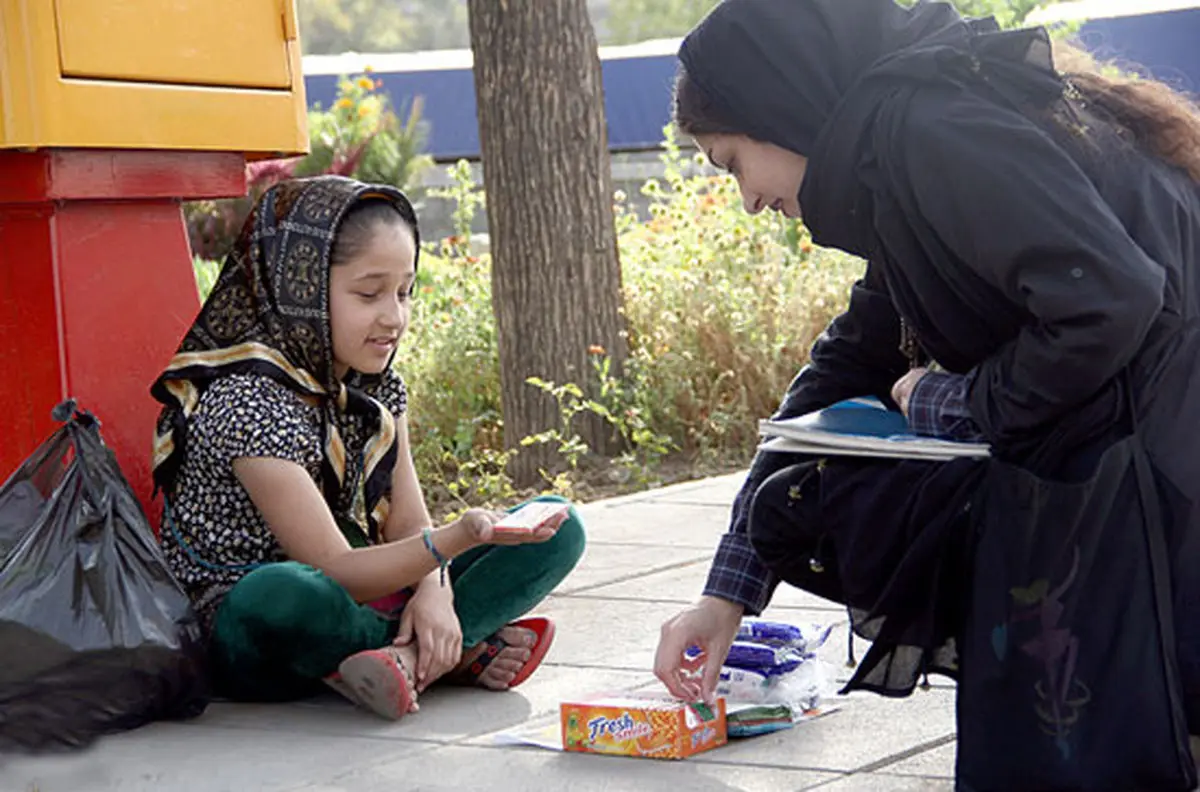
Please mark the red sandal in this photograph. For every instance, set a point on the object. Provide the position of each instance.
(541, 626)
(378, 680)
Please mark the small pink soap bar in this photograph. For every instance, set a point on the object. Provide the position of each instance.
(531, 516)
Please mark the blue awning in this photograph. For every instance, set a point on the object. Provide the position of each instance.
(638, 82)
(638, 79)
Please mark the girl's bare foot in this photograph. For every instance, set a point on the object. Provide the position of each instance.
(500, 672)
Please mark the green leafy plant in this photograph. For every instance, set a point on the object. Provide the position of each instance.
(363, 136)
(360, 136)
(723, 306)
(617, 406)
(567, 442)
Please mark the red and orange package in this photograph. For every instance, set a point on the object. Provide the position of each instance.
(648, 726)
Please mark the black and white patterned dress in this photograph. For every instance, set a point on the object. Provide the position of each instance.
(249, 415)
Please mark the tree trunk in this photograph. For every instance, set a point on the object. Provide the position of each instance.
(556, 278)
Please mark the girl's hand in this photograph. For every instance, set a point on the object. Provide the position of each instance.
(478, 524)
(902, 390)
(430, 620)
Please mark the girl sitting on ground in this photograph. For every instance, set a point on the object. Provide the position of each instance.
(293, 516)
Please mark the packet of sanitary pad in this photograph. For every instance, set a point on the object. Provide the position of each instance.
(766, 660)
(804, 639)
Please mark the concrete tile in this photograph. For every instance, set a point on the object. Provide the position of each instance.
(935, 763)
(715, 491)
(867, 729)
(881, 782)
(684, 584)
(680, 586)
(604, 563)
(519, 769)
(447, 714)
(698, 527)
(718, 491)
(608, 633)
(188, 757)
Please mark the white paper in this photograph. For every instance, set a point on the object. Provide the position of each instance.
(878, 448)
(544, 732)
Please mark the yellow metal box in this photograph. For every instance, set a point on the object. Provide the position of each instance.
(208, 75)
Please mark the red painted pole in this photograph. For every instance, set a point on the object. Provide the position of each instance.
(96, 289)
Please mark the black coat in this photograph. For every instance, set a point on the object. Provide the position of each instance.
(1038, 251)
(1042, 272)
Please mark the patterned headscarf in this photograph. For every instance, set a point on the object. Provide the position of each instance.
(268, 314)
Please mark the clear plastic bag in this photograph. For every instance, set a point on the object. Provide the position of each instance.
(784, 671)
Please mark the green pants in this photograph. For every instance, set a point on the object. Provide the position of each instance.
(284, 627)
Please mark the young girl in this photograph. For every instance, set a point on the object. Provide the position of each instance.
(293, 516)
(1035, 231)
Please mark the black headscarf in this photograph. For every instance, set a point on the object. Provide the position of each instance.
(781, 67)
(269, 314)
(807, 75)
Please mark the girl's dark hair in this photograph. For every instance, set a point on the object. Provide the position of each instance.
(354, 232)
(694, 113)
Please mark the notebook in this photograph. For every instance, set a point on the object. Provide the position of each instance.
(860, 427)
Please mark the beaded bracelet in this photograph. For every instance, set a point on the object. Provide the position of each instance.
(443, 562)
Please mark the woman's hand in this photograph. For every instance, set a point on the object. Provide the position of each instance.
(429, 618)
(710, 624)
(902, 390)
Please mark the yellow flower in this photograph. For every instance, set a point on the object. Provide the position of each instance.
(345, 103)
(363, 111)
(366, 83)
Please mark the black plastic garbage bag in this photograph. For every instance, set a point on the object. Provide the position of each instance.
(96, 636)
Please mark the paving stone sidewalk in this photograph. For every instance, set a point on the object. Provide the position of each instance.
(647, 555)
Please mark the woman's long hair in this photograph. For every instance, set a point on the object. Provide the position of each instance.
(1160, 120)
